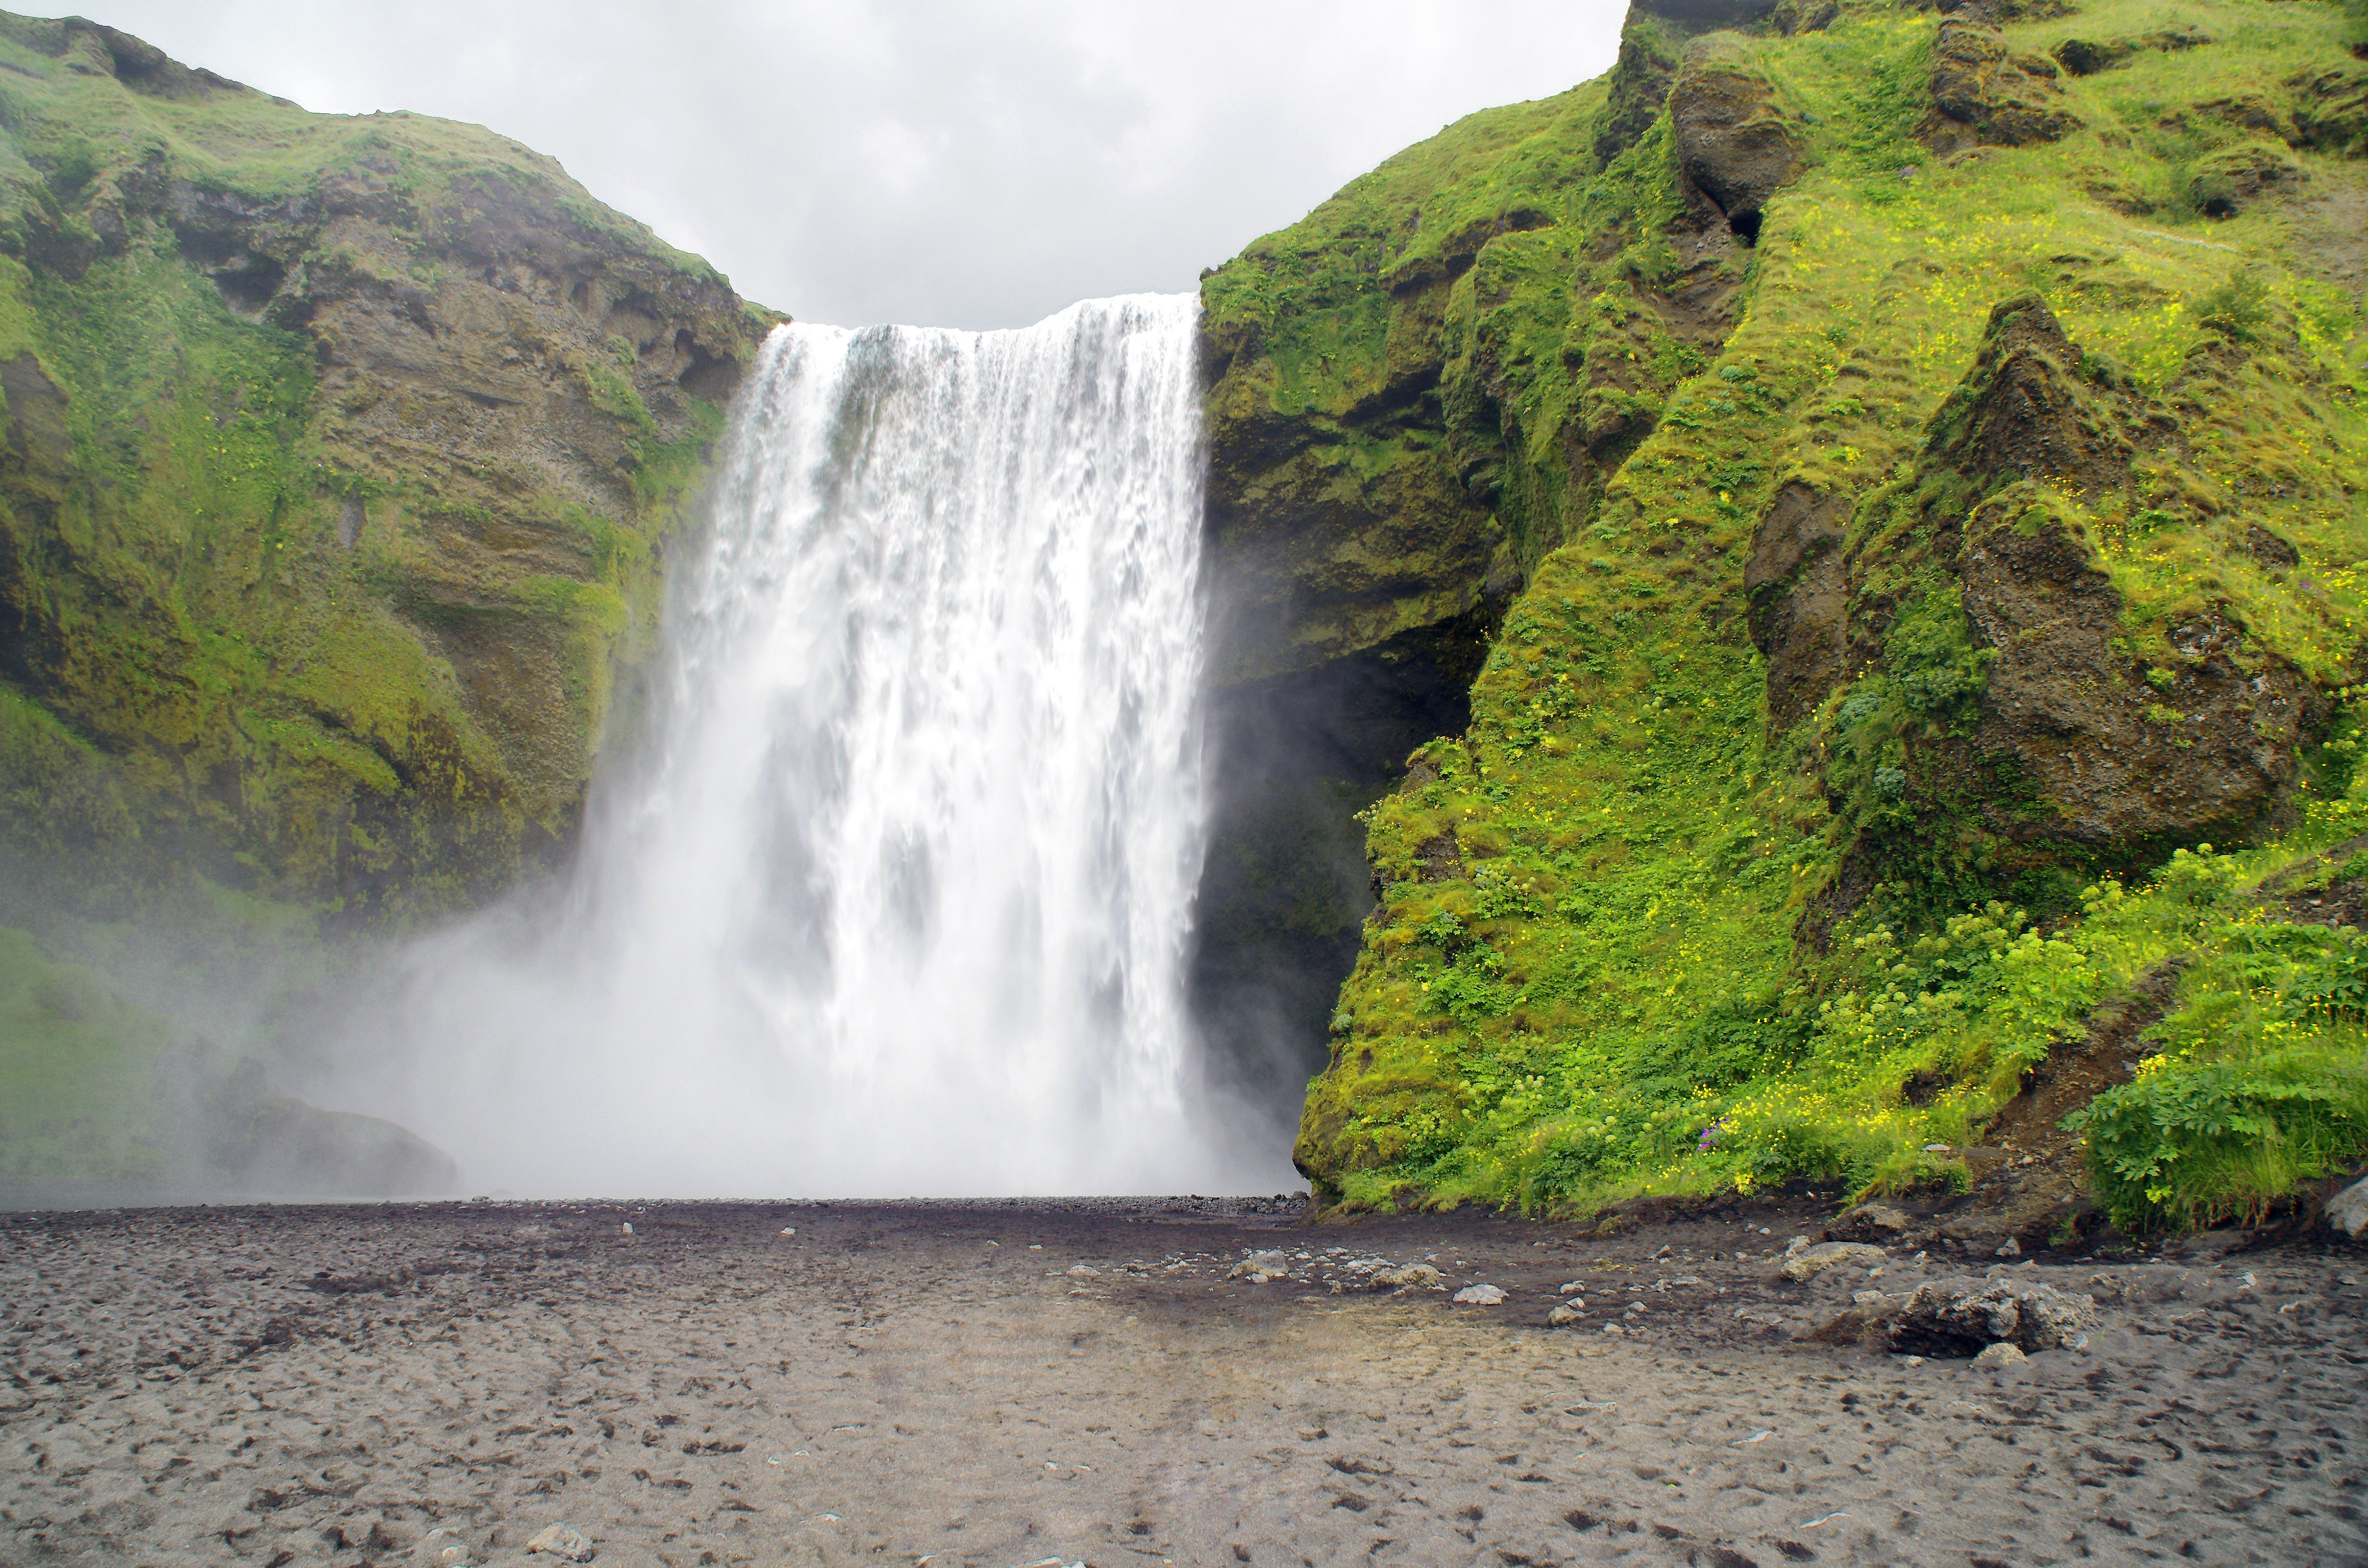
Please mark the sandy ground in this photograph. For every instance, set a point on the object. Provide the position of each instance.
(950, 1384)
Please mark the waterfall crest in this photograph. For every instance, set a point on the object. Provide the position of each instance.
(899, 899)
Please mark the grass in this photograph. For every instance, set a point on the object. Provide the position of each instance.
(1614, 987)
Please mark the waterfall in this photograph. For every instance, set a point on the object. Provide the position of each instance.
(898, 899)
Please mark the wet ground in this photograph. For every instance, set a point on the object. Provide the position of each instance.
(1001, 1384)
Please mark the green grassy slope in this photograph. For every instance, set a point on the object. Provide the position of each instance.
(337, 454)
(1644, 928)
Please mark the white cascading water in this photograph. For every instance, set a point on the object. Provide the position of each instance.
(900, 901)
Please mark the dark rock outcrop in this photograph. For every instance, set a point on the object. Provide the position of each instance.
(1983, 95)
(2022, 410)
(1732, 144)
(1799, 592)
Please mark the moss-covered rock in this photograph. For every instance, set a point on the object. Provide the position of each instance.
(339, 451)
(1982, 548)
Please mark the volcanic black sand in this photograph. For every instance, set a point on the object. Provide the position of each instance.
(1002, 1384)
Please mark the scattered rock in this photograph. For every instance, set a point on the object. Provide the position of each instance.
(1480, 1296)
(1805, 1263)
(442, 1546)
(1573, 1288)
(562, 1542)
(1088, 1271)
(2348, 1210)
(1960, 1316)
(1613, 1328)
(1260, 1267)
(1564, 1316)
(2005, 1353)
(1413, 1276)
(1868, 1222)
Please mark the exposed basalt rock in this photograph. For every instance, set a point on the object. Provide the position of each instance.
(1983, 95)
(2120, 761)
(1732, 143)
(1799, 591)
(2022, 410)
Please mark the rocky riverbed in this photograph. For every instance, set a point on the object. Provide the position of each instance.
(1141, 1382)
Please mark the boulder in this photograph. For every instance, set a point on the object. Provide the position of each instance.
(2348, 1210)
(1413, 1276)
(1480, 1296)
(1963, 1316)
(2000, 1356)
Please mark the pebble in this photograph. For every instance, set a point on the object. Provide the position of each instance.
(562, 1542)
(1573, 1288)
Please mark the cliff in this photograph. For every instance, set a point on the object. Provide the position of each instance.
(338, 458)
(1907, 469)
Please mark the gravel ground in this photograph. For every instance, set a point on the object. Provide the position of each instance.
(998, 1384)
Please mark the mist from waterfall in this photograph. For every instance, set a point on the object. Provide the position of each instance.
(897, 899)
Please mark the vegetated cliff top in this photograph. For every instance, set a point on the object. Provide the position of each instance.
(339, 450)
(1921, 457)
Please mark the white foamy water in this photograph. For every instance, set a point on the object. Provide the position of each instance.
(898, 901)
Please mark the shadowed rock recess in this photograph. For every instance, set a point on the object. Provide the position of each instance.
(1900, 477)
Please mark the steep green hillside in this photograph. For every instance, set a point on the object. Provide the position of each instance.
(338, 455)
(1931, 449)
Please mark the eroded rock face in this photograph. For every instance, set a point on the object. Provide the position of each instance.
(2122, 760)
(1799, 592)
(1732, 143)
(1983, 95)
(2022, 411)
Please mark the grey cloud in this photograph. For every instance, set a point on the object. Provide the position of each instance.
(958, 164)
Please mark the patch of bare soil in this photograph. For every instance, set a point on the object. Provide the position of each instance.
(1106, 1383)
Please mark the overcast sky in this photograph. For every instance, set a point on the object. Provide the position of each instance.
(954, 164)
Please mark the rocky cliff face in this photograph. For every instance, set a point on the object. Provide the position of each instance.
(1882, 542)
(339, 454)
(1418, 395)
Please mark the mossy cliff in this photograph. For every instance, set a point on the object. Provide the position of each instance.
(1908, 468)
(338, 459)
